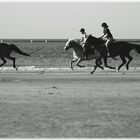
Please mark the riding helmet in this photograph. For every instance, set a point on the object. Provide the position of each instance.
(82, 30)
(104, 24)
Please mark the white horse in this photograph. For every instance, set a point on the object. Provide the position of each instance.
(78, 55)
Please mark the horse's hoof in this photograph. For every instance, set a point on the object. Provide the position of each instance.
(16, 69)
(127, 67)
(91, 72)
(117, 70)
(71, 68)
(42, 72)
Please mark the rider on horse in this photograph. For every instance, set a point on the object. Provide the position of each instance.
(107, 36)
(84, 35)
(82, 41)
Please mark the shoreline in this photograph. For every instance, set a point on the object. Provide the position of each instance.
(43, 69)
(55, 40)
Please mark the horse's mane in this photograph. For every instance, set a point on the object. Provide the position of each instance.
(77, 41)
(90, 37)
(94, 40)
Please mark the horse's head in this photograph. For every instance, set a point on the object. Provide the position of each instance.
(70, 44)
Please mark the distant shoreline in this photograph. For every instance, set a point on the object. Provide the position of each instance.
(34, 40)
(55, 40)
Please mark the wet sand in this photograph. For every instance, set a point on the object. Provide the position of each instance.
(35, 105)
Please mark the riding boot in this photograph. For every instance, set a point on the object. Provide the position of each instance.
(108, 54)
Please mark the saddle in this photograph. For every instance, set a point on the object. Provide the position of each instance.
(104, 41)
(111, 42)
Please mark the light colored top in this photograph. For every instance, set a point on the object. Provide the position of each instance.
(83, 38)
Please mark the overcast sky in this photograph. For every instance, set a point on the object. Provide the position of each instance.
(64, 19)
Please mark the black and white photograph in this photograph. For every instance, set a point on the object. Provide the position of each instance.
(69, 69)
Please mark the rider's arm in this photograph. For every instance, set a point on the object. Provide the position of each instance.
(82, 39)
(104, 35)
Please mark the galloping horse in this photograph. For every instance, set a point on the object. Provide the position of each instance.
(117, 48)
(5, 51)
(78, 55)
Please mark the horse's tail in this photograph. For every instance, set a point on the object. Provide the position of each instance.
(16, 49)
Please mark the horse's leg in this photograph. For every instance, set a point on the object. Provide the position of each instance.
(105, 63)
(13, 59)
(79, 60)
(97, 65)
(130, 59)
(4, 61)
(123, 62)
(71, 66)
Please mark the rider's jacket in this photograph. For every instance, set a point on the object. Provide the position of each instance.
(83, 38)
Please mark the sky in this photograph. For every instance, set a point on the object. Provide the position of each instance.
(63, 20)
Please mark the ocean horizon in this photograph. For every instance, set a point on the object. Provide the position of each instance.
(55, 40)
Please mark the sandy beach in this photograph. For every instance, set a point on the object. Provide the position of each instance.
(35, 105)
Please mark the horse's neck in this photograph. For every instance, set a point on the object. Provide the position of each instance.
(77, 47)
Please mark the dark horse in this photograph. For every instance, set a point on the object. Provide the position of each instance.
(116, 48)
(5, 52)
